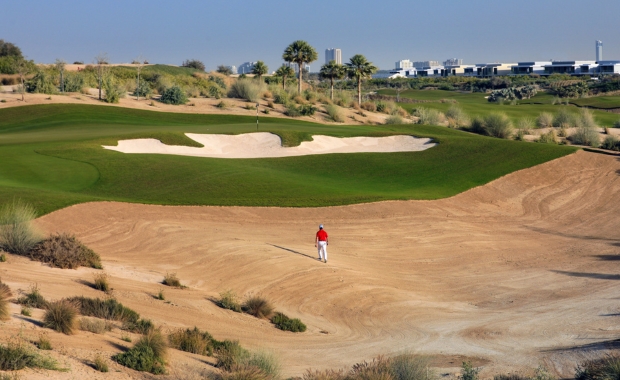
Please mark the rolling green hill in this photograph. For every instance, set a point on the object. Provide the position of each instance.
(51, 156)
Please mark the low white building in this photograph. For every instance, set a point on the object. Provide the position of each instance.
(492, 69)
(571, 67)
(403, 64)
(526, 68)
(608, 67)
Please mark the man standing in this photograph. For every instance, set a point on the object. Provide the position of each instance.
(321, 241)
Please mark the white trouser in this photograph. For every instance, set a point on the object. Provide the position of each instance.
(322, 247)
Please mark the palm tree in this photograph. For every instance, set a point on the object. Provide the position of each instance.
(259, 69)
(332, 71)
(285, 71)
(300, 52)
(359, 68)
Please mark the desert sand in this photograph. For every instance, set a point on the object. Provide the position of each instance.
(520, 272)
(263, 144)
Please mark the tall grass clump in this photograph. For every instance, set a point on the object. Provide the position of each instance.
(611, 143)
(585, 135)
(585, 119)
(266, 362)
(101, 282)
(33, 298)
(497, 125)
(548, 138)
(544, 120)
(394, 119)
(258, 307)
(5, 294)
(147, 355)
(247, 89)
(607, 367)
(113, 90)
(171, 279)
(429, 116)
(141, 326)
(109, 309)
(229, 300)
(410, 366)
(96, 326)
(65, 251)
(525, 124)
(468, 372)
(563, 118)
(192, 340)
(44, 342)
(17, 233)
(283, 322)
(457, 117)
(61, 316)
(100, 364)
(173, 95)
(343, 98)
(334, 112)
(230, 354)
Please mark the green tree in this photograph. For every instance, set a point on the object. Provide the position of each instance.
(23, 67)
(60, 67)
(300, 52)
(284, 72)
(359, 68)
(8, 49)
(259, 69)
(332, 71)
(226, 70)
(194, 64)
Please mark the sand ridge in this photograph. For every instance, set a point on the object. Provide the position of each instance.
(519, 272)
(263, 144)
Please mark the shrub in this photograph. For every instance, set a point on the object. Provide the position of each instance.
(247, 89)
(147, 355)
(382, 107)
(267, 362)
(285, 323)
(544, 120)
(585, 119)
(194, 64)
(96, 326)
(73, 82)
(33, 298)
(101, 282)
(429, 116)
(5, 294)
(468, 372)
(497, 125)
(394, 119)
(230, 354)
(17, 234)
(250, 106)
(141, 326)
(563, 118)
(343, 98)
(16, 356)
(65, 251)
(409, 366)
(611, 143)
(525, 124)
(60, 316)
(44, 342)
(26, 311)
(258, 307)
(41, 83)
(100, 364)
(292, 111)
(109, 309)
(171, 279)
(607, 367)
(143, 90)
(229, 300)
(222, 104)
(161, 296)
(585, 136)
(245, 372)
(3, 258)
(192, 340)
(280, 98)
(173, 95)
(303, 110)
(113, 90)
(458, 115)
(369, 106)
(548, 138)
(616, 124)
(334, 113)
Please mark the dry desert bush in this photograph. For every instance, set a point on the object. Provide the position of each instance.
(141, 326)
(44, 342)
(5, 294)
(33, 298)
(258, 307)
(101, 282)
(17, 233)
(192, 340)
(109, 309)
(61, 316)
(229, 300)
(100, 364)
(65, 251)
(96, 326)
(171, 279)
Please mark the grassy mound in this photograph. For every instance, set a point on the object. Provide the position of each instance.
(109, 309)
(65, 251)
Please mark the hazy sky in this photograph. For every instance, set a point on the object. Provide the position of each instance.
(232, 32)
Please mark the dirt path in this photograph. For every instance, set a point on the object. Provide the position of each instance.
(518, 272)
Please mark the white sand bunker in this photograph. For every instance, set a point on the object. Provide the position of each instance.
(262, 144)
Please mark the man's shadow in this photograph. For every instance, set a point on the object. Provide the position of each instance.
(290, 250)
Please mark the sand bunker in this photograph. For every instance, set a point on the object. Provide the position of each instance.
(263, 144)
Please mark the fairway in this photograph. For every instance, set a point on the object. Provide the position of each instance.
(475, 104)
(52, 156)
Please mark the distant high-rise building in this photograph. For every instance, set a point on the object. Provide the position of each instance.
(296, 66)
(423, 64)
(246, 68)
(453, 62)
(599, 50)
(333, 55)
(403, 64)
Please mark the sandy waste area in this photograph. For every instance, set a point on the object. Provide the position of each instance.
(263, 144)
(520, 272)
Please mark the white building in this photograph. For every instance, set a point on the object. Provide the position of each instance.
(526, 68)
(599, 50)
(403, 64)
(333, 55)
(453, 62)
(423, 64)
(609, 67)
(246, 68)
(571, 67)
(492, 69)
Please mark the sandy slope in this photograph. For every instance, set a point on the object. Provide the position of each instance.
(519, 272)
(263, 144)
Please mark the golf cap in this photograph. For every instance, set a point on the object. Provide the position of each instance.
(320, 226)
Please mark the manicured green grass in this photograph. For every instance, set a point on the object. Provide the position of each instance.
(51, 156)
(603, 102)
(475, 104)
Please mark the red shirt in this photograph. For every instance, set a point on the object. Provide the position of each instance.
(322, 235)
